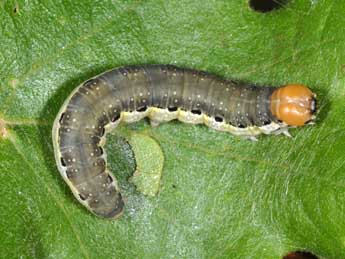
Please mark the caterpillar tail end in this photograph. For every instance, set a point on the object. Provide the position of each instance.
(112, 211)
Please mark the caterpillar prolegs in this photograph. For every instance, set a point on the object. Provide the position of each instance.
(162, 93)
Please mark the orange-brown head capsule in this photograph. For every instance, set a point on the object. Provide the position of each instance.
(293, 104)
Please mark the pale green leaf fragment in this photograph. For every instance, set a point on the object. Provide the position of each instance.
(149, 159)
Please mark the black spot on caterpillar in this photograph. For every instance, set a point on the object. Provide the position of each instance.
(162, 93)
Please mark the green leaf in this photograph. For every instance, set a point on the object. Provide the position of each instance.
(149, 164)
(220, 196)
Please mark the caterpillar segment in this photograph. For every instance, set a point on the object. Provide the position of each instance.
(161, 93)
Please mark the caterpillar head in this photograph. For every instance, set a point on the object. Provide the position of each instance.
(294, 104)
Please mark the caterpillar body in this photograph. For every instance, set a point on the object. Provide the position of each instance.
(162, 93)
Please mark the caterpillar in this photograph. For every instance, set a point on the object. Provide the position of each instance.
(162, 93)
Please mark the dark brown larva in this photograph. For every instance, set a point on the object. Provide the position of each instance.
(163, 93)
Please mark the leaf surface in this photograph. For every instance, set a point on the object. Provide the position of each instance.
(220, 196)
